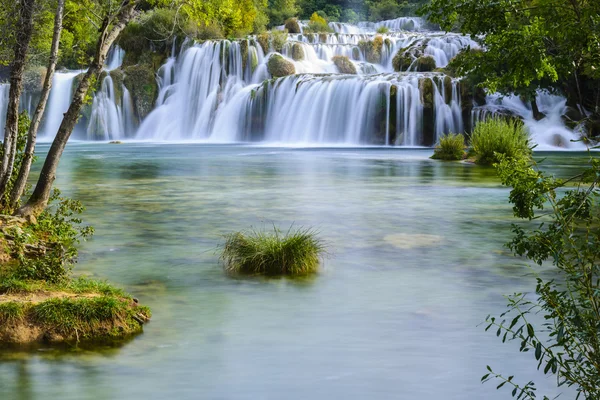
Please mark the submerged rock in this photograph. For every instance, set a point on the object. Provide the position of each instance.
(344, 65)
(408, 241)
(279, 66)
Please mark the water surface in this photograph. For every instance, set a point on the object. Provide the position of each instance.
(416, 263)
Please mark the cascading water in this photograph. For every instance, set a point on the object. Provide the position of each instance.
(58, 103)
(222, 91)
(214, 92)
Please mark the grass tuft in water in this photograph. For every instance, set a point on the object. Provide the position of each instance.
(297, 252)
(499, 136)
(450, 148)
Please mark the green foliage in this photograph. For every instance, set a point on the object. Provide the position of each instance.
(60, 229)
(553, 43)
(380, 10)
(450, 147)
(566, 344)
(497, 136)
(279, 11)
(317, 24)
(297, 252)
(11, 312)
(382, 30)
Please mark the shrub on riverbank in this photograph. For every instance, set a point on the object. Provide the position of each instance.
(39, 301)
(451, 147)
(297, 252)
(498, 136)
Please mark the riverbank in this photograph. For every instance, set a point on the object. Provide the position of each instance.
(40, 302)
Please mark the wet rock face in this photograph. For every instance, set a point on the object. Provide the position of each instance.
(141, 83)
(344, 65)
(279, 66)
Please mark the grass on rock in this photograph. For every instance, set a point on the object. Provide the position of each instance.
(451, 147)
(499, 136)
(296, 252)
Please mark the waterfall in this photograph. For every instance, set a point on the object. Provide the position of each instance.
(210, 95)
(548, 133)
(112, 114)
(4, 89)
(115, 58)
(222, 91)
(58, 103)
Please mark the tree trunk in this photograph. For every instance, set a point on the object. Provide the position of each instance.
(24, 30)
(19, 187)
(110, 29)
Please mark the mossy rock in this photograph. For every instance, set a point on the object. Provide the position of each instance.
(244, 53)
(279, 66)
(427, 91)
(292, 25)
(140, 80)
(263, 41)
(448, 88)
(355, 53)
(33, 79)
(425, 64)
(402, 61)
(344, 65)
(253, 60)
(298, 52)
(372, 49)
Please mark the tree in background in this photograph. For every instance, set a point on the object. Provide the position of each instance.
(280, 10)
(551, 44)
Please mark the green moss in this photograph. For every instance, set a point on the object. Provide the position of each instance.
(425, 64)
(279, 66)
(402, 61)
(140, 80)
(272, 253)
(263, 41)
(426, 89)
(297, 52)
(244, 53)
(344, 65)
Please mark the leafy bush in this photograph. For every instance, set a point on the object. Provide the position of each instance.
(563, 336)
(23, 129)
(450, 147)
(317, 24)
(383, 30)
(498, 136)
(272, 253)
(60, 231)
(292, 25)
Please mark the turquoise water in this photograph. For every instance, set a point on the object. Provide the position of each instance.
(415, 264)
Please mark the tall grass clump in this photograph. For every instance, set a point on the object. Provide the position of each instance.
(297, 252)
(499, 136)
(450, 147)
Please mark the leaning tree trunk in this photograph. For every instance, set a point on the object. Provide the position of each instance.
(19, 186)
(24, 30)
(110, 29)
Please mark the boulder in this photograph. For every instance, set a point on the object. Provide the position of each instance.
(344, 65)
(292, 25)
(140, 80)
(279, 66)
(298, 52)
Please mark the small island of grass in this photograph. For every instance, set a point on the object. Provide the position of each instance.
(40, 301)
(260, 252)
